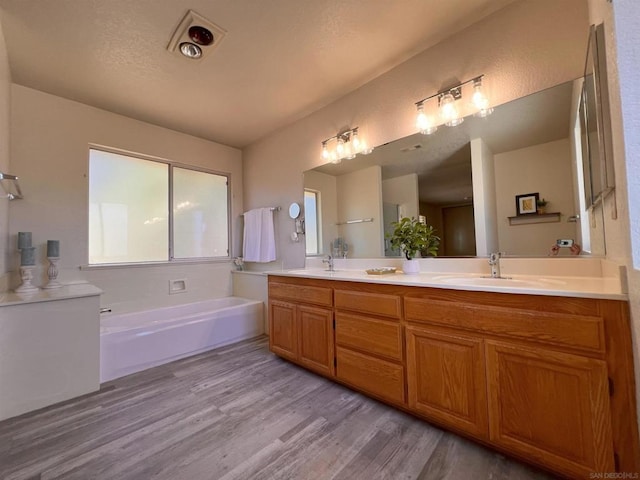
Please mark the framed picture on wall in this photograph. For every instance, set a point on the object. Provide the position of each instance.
(527, 204)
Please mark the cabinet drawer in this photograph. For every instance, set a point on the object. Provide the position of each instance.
(370, 335)
(301, 293)
(580, 332)
(367, 302)
(379, 377)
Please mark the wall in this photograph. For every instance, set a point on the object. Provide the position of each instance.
(5, 109)
(402, 191)
(50, 137)
(622, 31)
(523, 48)
(360, 197)
(545, 169)
(327, 185)
(484, 198)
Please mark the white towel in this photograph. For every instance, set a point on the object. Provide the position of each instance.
(259, 243)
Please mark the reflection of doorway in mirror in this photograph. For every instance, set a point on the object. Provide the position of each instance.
(458, 235)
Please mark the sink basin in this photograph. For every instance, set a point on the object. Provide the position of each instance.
(496, 282)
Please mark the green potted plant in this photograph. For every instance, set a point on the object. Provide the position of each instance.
(411, 236)
(542, 206)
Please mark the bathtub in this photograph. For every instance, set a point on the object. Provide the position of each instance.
(132, 342)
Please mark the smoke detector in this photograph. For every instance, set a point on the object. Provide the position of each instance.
(195, 37)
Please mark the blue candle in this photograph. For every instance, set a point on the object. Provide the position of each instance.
(28, 256)
(53, 248)
(24, 240)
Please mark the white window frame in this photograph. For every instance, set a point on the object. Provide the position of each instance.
(171, 164)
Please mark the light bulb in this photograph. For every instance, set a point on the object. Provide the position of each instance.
(325, 151)
(364, 148)
(425, 122)
(449, 111)
(340, 150)
(355, 143)
(480, 100)
(349, 153)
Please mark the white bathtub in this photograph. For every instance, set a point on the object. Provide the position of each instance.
(132, 342)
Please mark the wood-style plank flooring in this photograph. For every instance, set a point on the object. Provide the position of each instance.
(237, 412)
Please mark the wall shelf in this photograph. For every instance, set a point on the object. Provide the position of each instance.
(535, 218)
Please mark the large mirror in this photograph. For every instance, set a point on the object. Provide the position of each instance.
(464, 181)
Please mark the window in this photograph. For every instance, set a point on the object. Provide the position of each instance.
(129, 216)
(312, 222)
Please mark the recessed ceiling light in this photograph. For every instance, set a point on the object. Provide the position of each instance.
(190, 50)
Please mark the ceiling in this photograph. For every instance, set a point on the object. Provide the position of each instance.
(279, 61)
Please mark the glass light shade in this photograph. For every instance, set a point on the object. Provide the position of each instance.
(480, 101)
(325, 152)
(424, 122)
(340, 149)
(349, 153)
(449, 111)
(355, 143)
(364, 148)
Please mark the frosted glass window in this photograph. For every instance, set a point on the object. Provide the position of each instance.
(129, 216)
(312, 215)
(128, 209)
(200, 214)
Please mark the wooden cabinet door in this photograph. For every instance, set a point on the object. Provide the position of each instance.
(550, 406)
(446, 379)
(315, 337)
(283, 334)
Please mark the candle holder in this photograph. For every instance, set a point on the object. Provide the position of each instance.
(52, 273)
(26, 274)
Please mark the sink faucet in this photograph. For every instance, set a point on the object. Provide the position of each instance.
(494, 262)
(329, 262)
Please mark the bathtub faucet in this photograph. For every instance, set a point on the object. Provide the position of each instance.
(329, 262)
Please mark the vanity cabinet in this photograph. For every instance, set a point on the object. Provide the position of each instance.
(301, 325)
(548, 379)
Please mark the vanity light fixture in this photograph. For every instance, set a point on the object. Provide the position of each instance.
(348, 144)
(448, 109)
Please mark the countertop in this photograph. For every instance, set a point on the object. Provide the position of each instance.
(559, 286)
(75, 290)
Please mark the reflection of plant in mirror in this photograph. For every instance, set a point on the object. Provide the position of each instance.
(411, 236)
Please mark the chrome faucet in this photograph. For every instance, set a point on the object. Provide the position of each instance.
(329, 262)
(494, 262)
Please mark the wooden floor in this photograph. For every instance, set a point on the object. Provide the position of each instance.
(237, 413)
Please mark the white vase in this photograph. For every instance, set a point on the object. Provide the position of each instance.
(411, 267)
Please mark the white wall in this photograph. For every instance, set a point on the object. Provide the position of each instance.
(50, 138)
(623, 38)
(360, 197)
(545, 169)
(484, 198)
(5, 109)
(327, 185)
(402, 191)
(523, 48)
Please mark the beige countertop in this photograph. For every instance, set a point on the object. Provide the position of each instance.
(562, 286)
